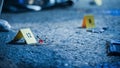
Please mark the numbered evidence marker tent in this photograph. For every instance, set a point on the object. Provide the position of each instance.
(27, 35)
(88, 22)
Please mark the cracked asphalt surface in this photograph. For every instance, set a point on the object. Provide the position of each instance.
(65, 44)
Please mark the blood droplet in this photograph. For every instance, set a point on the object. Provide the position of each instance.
(41, 41)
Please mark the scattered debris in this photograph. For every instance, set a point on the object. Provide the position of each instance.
(113, 48)
(4, 26)
(97, 30)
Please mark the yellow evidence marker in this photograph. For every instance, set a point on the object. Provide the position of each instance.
(98, 2)
(27, 35)
(88, 22)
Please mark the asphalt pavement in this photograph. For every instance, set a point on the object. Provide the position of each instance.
(66, 45)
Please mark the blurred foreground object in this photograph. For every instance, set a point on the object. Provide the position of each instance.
(113, 48)
(4, 26)
(34, 5)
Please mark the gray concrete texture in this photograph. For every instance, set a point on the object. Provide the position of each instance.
(65, 44)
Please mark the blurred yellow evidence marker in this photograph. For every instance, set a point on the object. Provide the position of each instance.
(27, 35)
(88, 22)
(98, 2)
